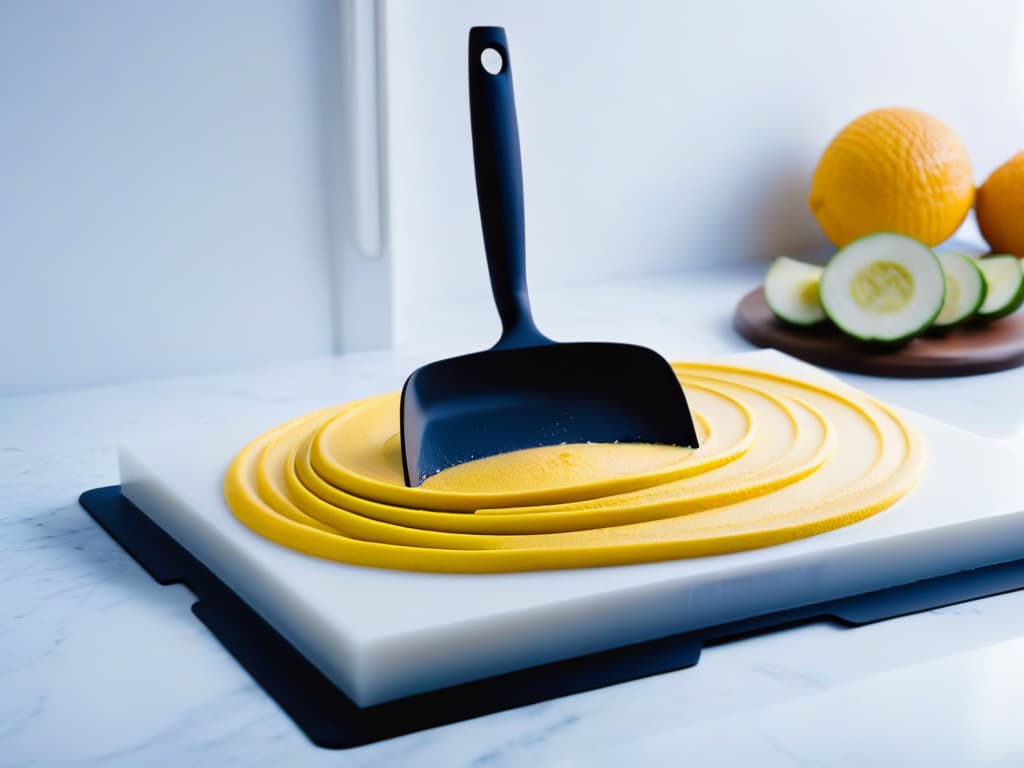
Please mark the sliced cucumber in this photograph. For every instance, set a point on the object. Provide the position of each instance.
(883, 287)
(1005, 281)
(965, 288)
(791, 290)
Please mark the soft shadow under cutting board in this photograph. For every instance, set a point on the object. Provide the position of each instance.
(973, 349)
(330, 719)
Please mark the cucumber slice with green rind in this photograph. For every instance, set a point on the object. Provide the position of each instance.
(965, 289)
(791, 290)
(1005, 280)
(884, 288)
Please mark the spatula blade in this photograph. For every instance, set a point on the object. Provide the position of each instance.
(478, 405)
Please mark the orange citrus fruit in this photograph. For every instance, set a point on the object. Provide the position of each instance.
(1000, 207)
(893, 170)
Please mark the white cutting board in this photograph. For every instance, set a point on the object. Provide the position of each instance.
(381, 635)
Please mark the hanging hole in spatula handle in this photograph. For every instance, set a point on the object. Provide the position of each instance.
(499, 183)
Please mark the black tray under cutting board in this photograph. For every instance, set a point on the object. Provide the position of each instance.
(330, 719)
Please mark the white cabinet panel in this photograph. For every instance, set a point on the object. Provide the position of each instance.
(161, 188)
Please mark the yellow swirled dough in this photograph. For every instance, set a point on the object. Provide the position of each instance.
(780, 459)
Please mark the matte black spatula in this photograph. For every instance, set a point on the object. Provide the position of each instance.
(528, 390)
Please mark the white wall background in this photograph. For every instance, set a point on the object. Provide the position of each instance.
(659, 135)
(162, 204)
(174, 191)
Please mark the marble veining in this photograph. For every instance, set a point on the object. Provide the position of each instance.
(99, 665)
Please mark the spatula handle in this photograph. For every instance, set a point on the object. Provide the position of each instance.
(499, 183)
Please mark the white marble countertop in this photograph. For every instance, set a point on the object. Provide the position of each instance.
(100, 665)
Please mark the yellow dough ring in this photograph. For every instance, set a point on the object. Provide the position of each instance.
(780, 459)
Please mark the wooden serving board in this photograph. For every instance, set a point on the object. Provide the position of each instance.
(965, 351)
